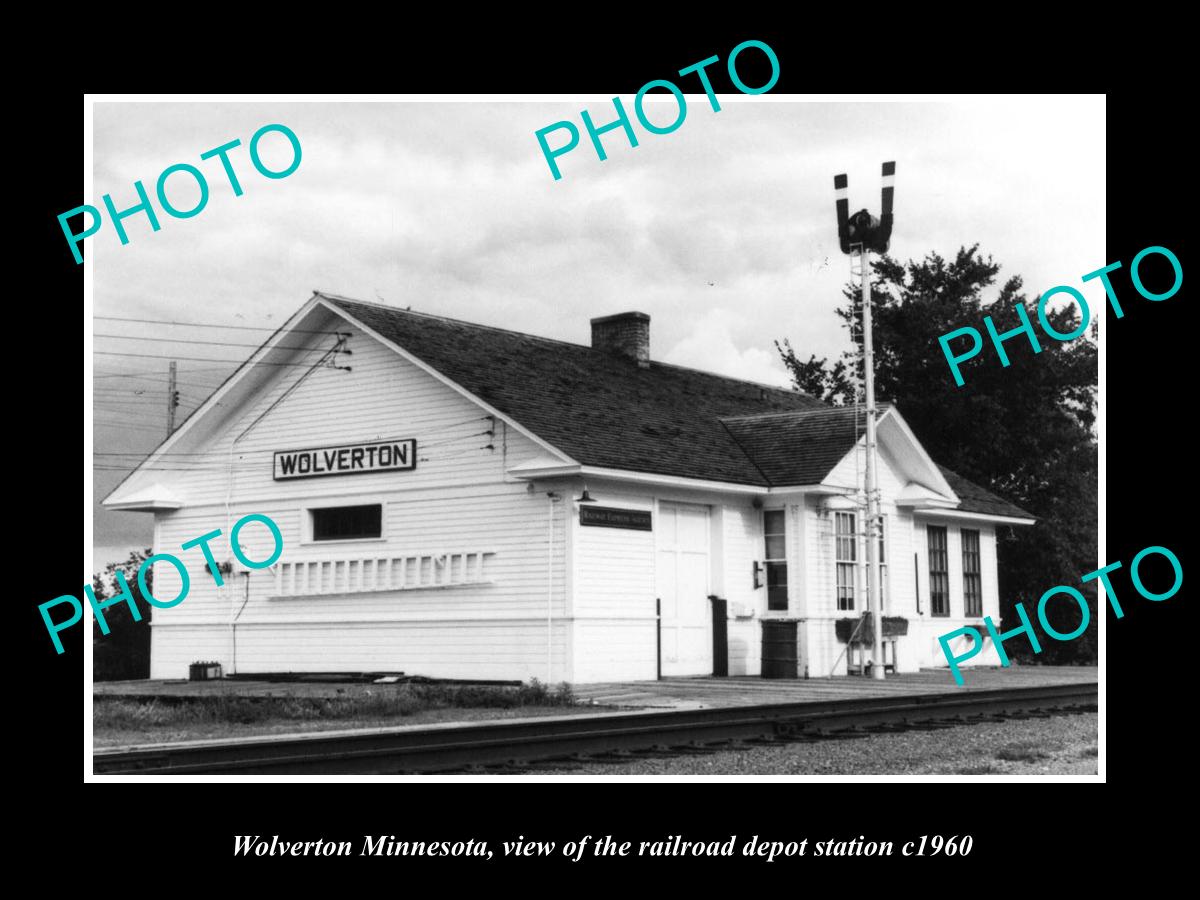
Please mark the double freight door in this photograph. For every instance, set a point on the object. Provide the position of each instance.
(682, 570)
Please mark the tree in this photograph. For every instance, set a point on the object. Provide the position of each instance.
(1024, 432)
(125, 651)
(834, 383)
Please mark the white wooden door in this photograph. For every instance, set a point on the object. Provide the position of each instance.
(682, 572)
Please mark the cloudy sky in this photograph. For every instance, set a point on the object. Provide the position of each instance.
(723, 231)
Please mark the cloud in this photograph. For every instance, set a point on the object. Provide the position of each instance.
(449, 207)
(710, 347)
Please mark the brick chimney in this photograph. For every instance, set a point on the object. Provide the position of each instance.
(625, 334)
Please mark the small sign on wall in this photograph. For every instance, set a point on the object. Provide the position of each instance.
(611, 517)
(348, 459)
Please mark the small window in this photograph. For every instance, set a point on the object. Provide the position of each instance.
(775, 534)
(972, 591)
(939, 576)
(846, 547)
(883, 569)
(347, 523)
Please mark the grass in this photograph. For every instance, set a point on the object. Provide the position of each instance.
(1090, 751)
(138, 715)
(1024, 751)
(985, 769)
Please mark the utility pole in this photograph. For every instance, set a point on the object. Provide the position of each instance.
(859, 235)
(172, 399)
(874, 594)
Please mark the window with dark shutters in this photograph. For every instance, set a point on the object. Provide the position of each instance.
(972, 588)
(775, 534)
(846, 553)
(939, 575)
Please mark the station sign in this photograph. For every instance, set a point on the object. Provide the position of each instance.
(611, 517)
(347, 459)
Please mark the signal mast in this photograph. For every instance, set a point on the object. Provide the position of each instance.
(859, 235)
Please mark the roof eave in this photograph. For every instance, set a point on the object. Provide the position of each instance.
(926, 503)
(975, 516)
(672, 480)
(143, 505)
(214, 399)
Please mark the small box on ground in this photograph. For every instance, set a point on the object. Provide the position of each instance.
(204, 671)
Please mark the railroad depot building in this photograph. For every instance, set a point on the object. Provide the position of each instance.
(431, 481)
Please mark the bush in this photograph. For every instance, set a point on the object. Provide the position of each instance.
(385, 702)
(123, 653)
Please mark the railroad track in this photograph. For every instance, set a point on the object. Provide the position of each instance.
(507, 745)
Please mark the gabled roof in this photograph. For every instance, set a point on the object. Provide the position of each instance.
(826, 434)
(599, 409)
(977, 499)
(606, 411)
(150, 497)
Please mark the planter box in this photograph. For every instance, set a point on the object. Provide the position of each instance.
(893, 627)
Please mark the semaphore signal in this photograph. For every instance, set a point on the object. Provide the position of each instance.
(859, 235)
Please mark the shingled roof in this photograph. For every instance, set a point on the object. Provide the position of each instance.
(607, 411)
(977, 499)
(826, 433)
(600, 409)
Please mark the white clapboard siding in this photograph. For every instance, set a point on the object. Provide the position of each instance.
(483, 649)
(614, 623)
(743, 546)
(356, 575)
(615, 649)
(990, 571)
(907, 536)
(927, 649)
(486, 611)
(383, 397)
(505, 522)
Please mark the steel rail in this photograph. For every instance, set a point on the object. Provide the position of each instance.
(463, 745)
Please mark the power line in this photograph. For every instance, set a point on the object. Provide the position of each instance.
(151, 375)
(142, 454)
(131, 426)
(127, 388)
(333, 333)
(137, 337)
(145, 395)
(147, 401)
(131, 407)
(130, 468)
(235, 362)
(151, 384)
(158, 386)
(147, 392)
(219, 453)
(136, 401)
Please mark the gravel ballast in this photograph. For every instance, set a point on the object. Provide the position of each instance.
(1058, 745)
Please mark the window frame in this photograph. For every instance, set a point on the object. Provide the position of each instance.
(841, 564)
(310, 515)
(938, 577)
(885, 596)
(977, 554)
(775, 565)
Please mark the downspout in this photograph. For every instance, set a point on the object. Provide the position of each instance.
(232, 594)
(553, 498)
(233, 626)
